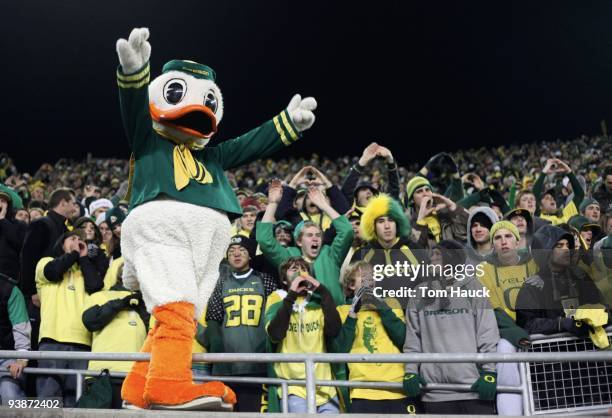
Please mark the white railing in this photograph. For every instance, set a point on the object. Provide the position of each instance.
(309, 360)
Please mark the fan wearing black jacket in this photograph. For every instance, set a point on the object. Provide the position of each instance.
(547, 301)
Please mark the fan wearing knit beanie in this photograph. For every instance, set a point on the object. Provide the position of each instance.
(504, 274)
(434, 216)
(591, 209)
(506, 268)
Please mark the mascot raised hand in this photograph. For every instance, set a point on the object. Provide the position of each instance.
(178, 230)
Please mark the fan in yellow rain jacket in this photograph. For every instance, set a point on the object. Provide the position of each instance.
(63, 283)
(117, 319)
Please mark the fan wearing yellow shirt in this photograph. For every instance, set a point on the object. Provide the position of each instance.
(505, 272)
(372, 326)
(507, 268)
(300, 320)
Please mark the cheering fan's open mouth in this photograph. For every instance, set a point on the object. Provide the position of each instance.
(195, 120)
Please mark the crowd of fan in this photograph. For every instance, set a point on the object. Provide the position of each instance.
(300, 272)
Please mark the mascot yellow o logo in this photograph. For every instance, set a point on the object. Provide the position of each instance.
(411, 409)
(489, 379)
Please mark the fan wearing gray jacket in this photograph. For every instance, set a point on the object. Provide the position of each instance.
(451, 324)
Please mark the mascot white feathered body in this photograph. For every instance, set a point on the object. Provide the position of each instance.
(178, 229)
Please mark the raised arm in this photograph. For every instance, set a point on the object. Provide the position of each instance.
(283, 130)
(336, 198)
(393, 186)
(318, 198)
(576, 186)
(264, 234)
(352, 178)
(133, 76)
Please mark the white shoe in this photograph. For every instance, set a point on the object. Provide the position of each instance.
(127, 405)
(205, 403)
(226, 407)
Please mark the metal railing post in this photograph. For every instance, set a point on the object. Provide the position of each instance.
(79, 386)
(311, 391)
(285, 397)
(525, 389)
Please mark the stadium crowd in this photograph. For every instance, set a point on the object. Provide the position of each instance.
(300, 272)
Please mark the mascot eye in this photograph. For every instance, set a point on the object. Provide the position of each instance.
(211, 102)
(174, 91)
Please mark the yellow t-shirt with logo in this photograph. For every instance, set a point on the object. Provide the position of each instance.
(504, 283)
(125, 333)
(61, 305)
(371, 338)
(304, 335)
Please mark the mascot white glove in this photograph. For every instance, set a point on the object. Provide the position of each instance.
(300, 112)
(135, 52)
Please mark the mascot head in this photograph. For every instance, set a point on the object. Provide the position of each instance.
(185, 103)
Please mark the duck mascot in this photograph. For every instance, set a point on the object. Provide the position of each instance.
(178, 230)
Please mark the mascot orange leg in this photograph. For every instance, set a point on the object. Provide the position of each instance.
(166, 380)
(132, 390)
(169, 379)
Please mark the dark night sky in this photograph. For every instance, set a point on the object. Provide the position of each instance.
(418, 78)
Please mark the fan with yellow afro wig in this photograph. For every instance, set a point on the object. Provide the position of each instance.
(383, 205)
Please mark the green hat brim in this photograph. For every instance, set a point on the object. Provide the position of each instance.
(201, 71)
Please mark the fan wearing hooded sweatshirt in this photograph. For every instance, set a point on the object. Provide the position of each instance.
(548, 300)
(451, 325)
(479, 224)
(12, 233)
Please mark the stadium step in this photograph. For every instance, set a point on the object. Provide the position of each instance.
(110, 413)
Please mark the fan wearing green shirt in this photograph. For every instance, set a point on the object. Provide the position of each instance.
(324, 260)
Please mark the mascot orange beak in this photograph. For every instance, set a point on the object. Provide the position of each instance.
(194, 120)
